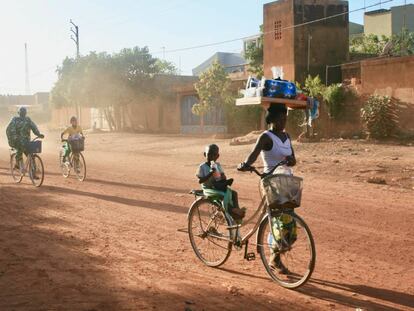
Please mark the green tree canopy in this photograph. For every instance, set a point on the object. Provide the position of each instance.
(254, 55)
(213, 90)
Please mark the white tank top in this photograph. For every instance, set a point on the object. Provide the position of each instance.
(278, 153)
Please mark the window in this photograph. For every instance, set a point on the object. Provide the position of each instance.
(278, 30)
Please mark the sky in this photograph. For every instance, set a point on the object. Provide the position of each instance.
(110, 25)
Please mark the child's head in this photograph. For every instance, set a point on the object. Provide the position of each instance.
(74, 121)
(212, 152)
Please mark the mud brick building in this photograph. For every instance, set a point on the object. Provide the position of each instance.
(309, 48)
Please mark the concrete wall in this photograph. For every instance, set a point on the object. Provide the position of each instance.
(278, 45)
(329, 43)
(402, 16)
(378, 24)
(288, 48)
(60, 117)
(387, 76)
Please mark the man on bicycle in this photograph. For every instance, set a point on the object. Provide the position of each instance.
(73, 132)
(18, 134)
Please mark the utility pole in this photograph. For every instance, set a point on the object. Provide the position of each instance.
(27, 84)
(163, 52)
(309, 51)
(76, 38)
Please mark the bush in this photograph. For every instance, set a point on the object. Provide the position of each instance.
(296, 120)
(379, 115)
(334, 97)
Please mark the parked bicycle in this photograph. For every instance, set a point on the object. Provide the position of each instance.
(213, 234)
(75, 160)
(33, 164)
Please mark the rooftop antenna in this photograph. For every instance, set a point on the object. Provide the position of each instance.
(27, 84)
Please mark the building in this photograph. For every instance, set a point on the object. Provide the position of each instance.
(355, 29)
(389, 22)
(256, 40)
(306, 49)
(37, 104)
(391, 76)
(232, 63)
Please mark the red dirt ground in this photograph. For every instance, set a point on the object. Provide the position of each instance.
(112, 242)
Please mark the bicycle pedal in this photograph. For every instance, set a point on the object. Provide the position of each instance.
(250, 256)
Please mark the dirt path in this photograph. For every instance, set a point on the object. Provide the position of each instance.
(111, 243)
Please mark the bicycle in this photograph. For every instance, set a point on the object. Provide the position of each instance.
(33, 164)
(213, 234)
(76, 159)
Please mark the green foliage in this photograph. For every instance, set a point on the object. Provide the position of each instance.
(334, 97)
(313, 86)
(295, 121)
(403, 43)
(399, 45)
(254, 55)
(368, 44)
(213, 90)
(379, 115)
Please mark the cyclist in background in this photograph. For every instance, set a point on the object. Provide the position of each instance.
(73, 132)
(18, 134)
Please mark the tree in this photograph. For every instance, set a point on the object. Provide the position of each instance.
(111, 82)
(398, 45)
(403, 43)
(368, 44)
(213, 91)
(254, 54)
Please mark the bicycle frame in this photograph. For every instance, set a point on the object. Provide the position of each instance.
(26, 164)
(262, 210)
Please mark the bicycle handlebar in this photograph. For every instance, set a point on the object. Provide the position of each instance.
(252, 169)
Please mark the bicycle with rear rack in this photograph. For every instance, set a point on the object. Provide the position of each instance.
(283, 240)
(75, 160)
(33, 164)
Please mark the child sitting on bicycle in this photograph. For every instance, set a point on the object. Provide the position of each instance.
(213, 180)
(74, 132)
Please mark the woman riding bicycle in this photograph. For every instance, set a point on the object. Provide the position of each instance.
(74, 132)
(275, 146)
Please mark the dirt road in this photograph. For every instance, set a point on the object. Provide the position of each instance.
(111, 243)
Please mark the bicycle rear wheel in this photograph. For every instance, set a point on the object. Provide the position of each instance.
(209, 236)
(16, 173)
(79, 166)
(36, 170)
(289, 258)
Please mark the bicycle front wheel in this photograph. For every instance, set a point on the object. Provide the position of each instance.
(287, 249)
(209, 236)
(79, 166)
(36, 170)
(64, 166)
(15, 171)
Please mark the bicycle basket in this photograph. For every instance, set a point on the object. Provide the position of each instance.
(77, 145)
(282, 191)
(34, 147)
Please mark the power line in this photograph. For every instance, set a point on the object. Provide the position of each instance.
(269, 32)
